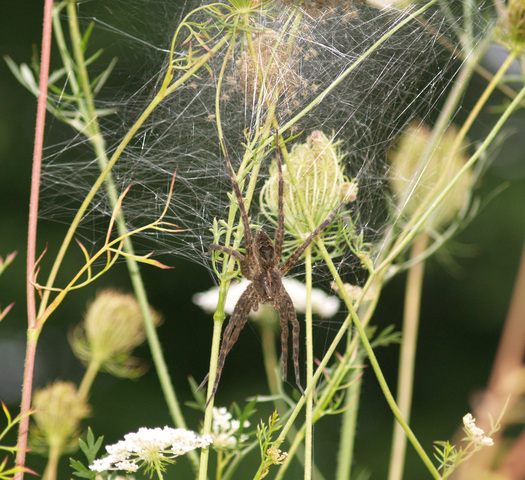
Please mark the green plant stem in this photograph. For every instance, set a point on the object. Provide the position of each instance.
(87, 107)
(345, 454)
(407, 356)
(165, 90)
(309, 368)
(218, 319)
(50, 473)
(89, 377)
(270, 357)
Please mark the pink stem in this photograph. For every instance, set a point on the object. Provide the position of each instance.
(31, 237)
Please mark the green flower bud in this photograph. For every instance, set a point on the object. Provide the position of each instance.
(411, 181)
(511, 28)
(321, 182)
(113, 327)
(59, 409)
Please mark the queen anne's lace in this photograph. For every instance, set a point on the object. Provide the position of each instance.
(225, 429)
(474, 432)
(149, 446)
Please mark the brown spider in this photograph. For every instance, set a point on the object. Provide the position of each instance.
(260, 264)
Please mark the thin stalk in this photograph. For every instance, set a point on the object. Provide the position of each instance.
(309, 368)
(407, 356)
(376, 367)
(165, 90)
(96, 139)
(50, 472)
(218, 319)
(345, 455)
(33, 332)
(88, 378)
(270, 357)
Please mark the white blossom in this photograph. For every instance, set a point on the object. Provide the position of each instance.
(151, 447)
(322, 304)
(224, 429)
(474, 432)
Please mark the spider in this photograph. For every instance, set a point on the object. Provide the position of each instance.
(261, 265)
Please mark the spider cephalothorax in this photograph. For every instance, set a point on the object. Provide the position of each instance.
(261, 265)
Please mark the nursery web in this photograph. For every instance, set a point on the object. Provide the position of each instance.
(403, 79)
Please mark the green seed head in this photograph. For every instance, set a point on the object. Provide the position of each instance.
(113, 327)
(314, 180)
(59, 409)
(412, 181)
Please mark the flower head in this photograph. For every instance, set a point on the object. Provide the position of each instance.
(511, 27)
(59, 409)
(150, 447)
(113, 327)
(474, 433)
(321, 183)
(225, 430)
(322, 304)
(411, 181)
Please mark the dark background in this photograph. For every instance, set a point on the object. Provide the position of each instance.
(462, 314)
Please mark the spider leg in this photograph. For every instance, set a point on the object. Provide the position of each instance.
(279, 233)
(292, 259)
(247, 300)
(240, 201)
(229, 251)
(284, 305)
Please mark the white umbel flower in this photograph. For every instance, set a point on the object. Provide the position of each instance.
(151, 447)
(225, 428)
(322, 304)
(476, 434)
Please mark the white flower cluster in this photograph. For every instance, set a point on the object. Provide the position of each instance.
(475, 433)
(149, 446)
(322, 304)
(224, 429)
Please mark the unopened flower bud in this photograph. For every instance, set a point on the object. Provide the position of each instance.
(113, 327)
(321, 183)
(59, 409)
(411, 181)
(511, 28)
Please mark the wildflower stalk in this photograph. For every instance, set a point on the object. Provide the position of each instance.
(94, 135)
(308, 445)
(407, 355)
(352, 317)
(32, 332)
(348, 426)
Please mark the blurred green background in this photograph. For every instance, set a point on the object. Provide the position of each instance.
(462, 316)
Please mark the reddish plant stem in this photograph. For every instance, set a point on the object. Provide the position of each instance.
(32, 334)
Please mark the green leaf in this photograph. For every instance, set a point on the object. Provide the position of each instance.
(91, 446)
(85, 37)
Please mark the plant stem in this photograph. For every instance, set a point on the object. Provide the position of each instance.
(89, 377)
(348, 428)
(408, 356)
(309, 368)
(33, 331)
(50, 473)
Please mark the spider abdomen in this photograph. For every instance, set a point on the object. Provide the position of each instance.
(268, 285)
